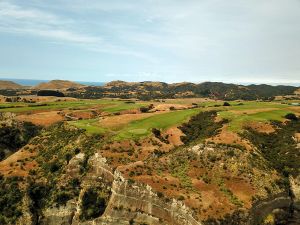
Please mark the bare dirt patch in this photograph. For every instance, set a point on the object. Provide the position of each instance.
(18, 164)
(229, 137)
(296, 109)
(121, 120)
(261, 127)
(166, 107)
(174, 135)
(84, 114)
(242, 189)
(42, 119)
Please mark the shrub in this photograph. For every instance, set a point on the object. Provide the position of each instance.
(68, 157)
(291, 116)
(10, 199)
(54, 166)
(92, 205)
(50, 93)
(2, 154)
(201, 125)
(160, 195)
(181, 198)
(62, 197)
(156, 132)
(226, 104)
(38, 193)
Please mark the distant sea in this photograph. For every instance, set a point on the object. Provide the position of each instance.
(29, 82)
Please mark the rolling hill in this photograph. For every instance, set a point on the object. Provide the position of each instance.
(9, 85)
(58, 84)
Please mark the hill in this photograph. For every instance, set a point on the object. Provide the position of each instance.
(159, 90)
(9, 85)
(177, 161)
(58, 84)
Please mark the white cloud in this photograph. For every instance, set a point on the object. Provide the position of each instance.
(28, 21)
(194, 39)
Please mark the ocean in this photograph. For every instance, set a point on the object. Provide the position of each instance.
(30, 82)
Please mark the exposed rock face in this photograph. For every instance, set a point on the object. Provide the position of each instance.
(62, 215)
(262, 209)
(295, 189)
(139, 203)
(129, 203)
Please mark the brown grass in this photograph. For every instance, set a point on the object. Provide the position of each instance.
(17, 165)
(42, 118)
(261, 127)
(229, 137)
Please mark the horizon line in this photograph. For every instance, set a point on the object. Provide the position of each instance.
(296, 83)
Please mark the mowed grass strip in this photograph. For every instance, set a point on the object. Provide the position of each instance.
(143, 127)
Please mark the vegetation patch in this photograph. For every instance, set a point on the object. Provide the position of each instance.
(143, 127)
(10, 200)
(200, 126)
(93, 204)
(279, 148)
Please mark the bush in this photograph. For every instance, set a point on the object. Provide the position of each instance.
(291, 116)
(10, 199)
(54, 166)
(2, 154)
(38, 193)
(181, 198)
(144, 109)
(62, 198)
(199, 126)
(160, 195)
(226, 104)
(156, 132)
(92, 206)
(50, 93)
(279, 147)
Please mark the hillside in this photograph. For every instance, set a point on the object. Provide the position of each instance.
(160, 90)
(149, 90)
(9, 85)
(120, 162)
(58, 84)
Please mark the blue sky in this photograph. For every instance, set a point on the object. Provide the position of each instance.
(166, 40)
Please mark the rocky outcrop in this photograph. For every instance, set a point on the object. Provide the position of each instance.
(139, 203)
(59, 215)
(263, 208)
(129, 203)
(295, 189)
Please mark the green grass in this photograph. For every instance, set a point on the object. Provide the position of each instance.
(89, 125)
(238, 121)
(137, 128)
(18, 108)
(121, 106)
(143, 127)
(110, 106)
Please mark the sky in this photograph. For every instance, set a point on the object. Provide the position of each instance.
(233, 41)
